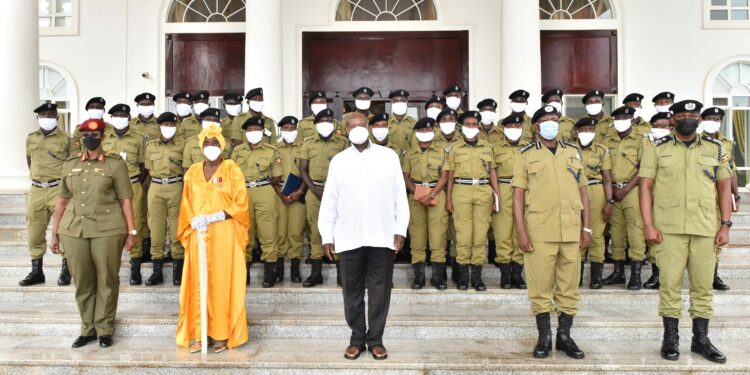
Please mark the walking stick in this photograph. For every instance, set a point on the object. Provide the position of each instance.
(203, 270)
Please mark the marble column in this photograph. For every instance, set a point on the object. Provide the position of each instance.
(263, 53)
(520, 56)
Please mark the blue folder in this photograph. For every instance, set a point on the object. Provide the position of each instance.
(291, 184)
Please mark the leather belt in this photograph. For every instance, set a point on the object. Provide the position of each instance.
(619, 185)
(594, 182)
(320, 184)
(135, 179)
(505, 180)
(166, 180)
(425, 184)
(45, 184)
(259, 183)
(471, 181)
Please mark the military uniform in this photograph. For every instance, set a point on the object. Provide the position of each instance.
(269, 133)
(292, 217)
(164, 164)
(188, 127)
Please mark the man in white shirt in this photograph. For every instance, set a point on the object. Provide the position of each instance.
(363, 218)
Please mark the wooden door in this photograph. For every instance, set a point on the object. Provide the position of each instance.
(579, 61)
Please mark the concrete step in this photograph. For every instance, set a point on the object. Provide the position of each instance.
(146, 355)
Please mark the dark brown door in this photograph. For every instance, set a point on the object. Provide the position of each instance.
(423, 63)
(579, 61)
(213, 62)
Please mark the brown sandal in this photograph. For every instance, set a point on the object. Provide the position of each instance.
(381, 356)
(195, 347)
(352, 356)
(220, 346)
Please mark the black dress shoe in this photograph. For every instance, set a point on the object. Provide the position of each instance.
(105, 341)
(82, 341)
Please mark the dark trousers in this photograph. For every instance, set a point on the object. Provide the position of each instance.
(371, 266)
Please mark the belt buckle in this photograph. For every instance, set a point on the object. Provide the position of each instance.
(425, 184)
(252, 184)
(475, 181)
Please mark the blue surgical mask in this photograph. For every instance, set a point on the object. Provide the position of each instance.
(548, 130)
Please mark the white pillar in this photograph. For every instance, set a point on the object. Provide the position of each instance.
(19, 73)
(263, 53)
(520, 56)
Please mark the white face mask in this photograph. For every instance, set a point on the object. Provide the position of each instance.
(211, 152)
(662, 108)
(256, 106)
(453, 102)
(96, 113)
(488, 117)
(119, 123)
(234, 109)
(594, 109)
(168, 131)
(358, 135)
(205, 124)
(556, 105)
(433, 112)
(447, 127)
(200, 107)
(289, 137)
(586, 138)
(380, 133)
(254, 137)
(146, 110)
(184, 110)
(47, 124)
(548, 130)
(711, 127)
(399, 108)
(518, 107)
(513, 134)
(470, 133)
(623, 125)
(637, 113)
(324, 128)
(315, 108)
(660, 132)
(425, 136)
(362, 105)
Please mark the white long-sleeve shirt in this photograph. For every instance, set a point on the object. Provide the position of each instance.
(364, 200)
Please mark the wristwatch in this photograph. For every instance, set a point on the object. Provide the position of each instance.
(133, 232)
(432, 195)
(728, 223)
(611, 201)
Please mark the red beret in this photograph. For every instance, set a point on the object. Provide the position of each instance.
(93, 124)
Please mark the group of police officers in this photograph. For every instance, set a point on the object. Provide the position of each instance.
(522, 189)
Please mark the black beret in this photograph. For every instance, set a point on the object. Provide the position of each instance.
(487, 102)
(203, 94)
(433, 99)
(324, 113)
(519, 94)
(545, 110)
(624, 110)
(46, 107)
(591, 94)
(663, 95)
(550, 93)
(634, 97)
(96, 99)
(166, 117)
(363, 90)
(288, 120)
(233, 96)
(686, 106)
(144, 96)
(468, 114)
(452, 89)
(214, 112)
(586, 121)
(425, 123)
(512, 119)
(254, 92)
(379, 117)
(713, 111)
(119, 108)
(253, 121)
(394, 93)
(182, 95)
(316, 95)
(447, 111)
(661, 116)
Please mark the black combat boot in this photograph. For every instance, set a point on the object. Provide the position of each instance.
(718, 282)
(247, 268)
(564, 342)
(418, 275)
(596, 275)
(516, 276)
(491, 252)
(278, 273)
(544, 342)
(635, 275)
(476, 278)
(702, 345)
(506, 281)
(670, 345)
(653, 281)
(135, 271)
(146, 250)
(316, 278)
(455, 271)
(156, 277)
(294, 271)
(269, 274)
(64, 278)
(463, 277)
(438, 280)
(618, 275)
(177, 272)
(36, 276)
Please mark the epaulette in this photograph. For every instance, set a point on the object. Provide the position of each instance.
(662, 140)
(529, 147)
(113, 156)
(566, 143)
(307, 138)
(712, 140)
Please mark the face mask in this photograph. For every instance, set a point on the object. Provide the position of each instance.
(254, 137)
(168, 131)
(548, 130)
(92, 143)
(146, 110)
(687, 126)
(447, 127)
(119, 123)
(257, 106)
(637, 113)
(184, 110)
(470, 133)
(662, 108)
(556, 105)
(594, 109)
(710, 127)
(200, 107)
(324, 128)
(234, 109)
(623, 125)
(453, 102)
(659, 132)
(96, 113)
(211, 152)
(513, 134)
(205, 124)
(518, 107)
(47, 124)
(289, 137)
(358, 135)
(380, 133)
(362, 105)
(433, 112)
(586, 138)
(425, 137)
(315, 108)
(488, 117)
(399, 109)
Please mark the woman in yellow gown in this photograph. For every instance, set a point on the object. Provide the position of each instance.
(214, 199)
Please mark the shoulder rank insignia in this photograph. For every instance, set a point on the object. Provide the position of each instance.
(663, 140)
(529, 147)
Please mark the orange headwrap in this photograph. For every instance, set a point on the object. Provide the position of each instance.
(212, 131)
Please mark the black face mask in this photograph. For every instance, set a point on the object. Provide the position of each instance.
(687, 126)
(92, 143)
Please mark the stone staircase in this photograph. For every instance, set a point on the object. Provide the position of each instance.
(302, 331)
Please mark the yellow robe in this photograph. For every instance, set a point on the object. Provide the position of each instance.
(225, 254)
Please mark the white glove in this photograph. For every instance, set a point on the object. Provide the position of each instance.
(199, 223)
(213, 218)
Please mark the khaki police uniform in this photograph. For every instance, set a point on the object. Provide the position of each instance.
(494, 136)
(401, 133)
(448, 146)
(164, 164)
(595, 160)
(727, 145)
(603, 128)
(565, 130)
(149, 128)
(188, 127)
(226, 128)
(503, 225)
(292, 217)
(269, 133)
